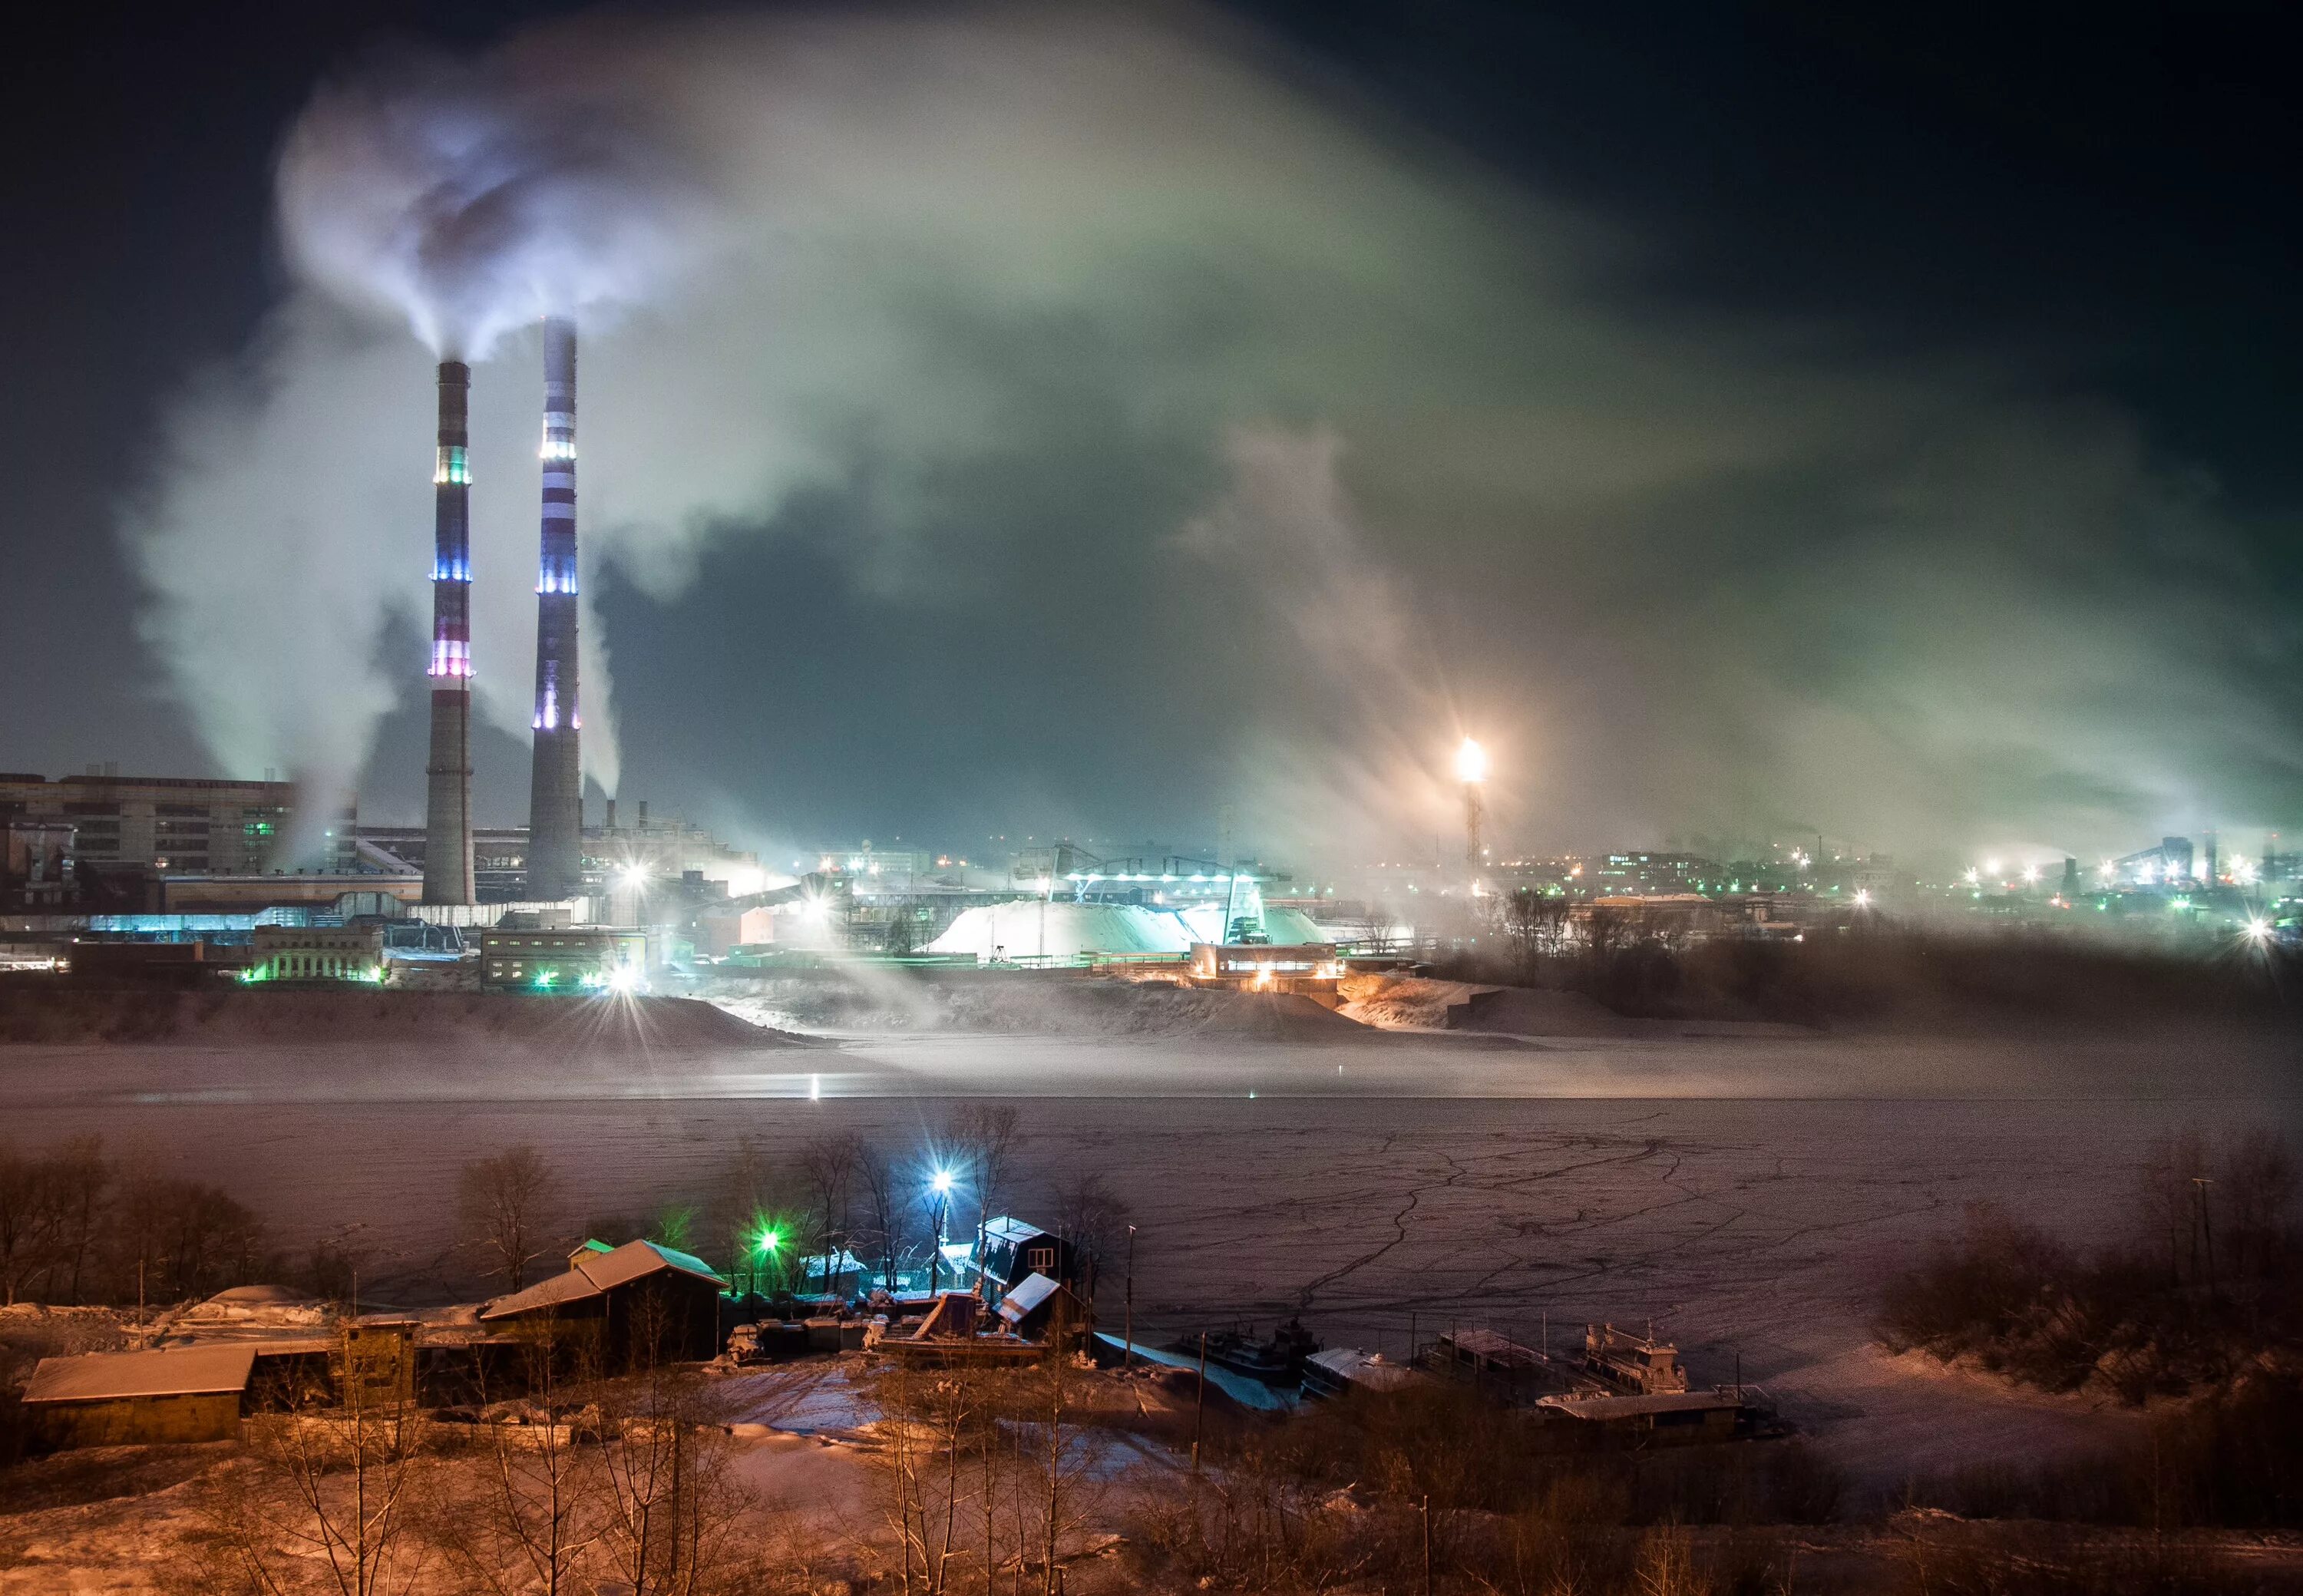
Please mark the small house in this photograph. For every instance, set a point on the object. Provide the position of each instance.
(138, 1398)
(638, 1301)
(1014, 1250)
(1043, 1309)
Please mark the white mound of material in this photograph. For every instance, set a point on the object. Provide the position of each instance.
(1029, 929)
(1032, 930)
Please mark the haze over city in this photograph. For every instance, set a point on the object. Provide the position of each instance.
(1774, 428)
(1131, 800)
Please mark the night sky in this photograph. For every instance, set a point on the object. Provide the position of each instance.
(1872, 421)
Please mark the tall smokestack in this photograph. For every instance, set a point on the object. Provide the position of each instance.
(448, 789)
(555, 812)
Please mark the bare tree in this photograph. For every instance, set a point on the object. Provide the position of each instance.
(28, 1220)
(884, 1207)
(984, 1134)
(544, 1511)
(80, 1179)
(338, 1493)
(670, 1497)
(830, 1163)
(1093, 1219)
(505, 1203)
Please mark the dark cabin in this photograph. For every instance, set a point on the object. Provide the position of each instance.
(641, 1302)
(1014, 1250)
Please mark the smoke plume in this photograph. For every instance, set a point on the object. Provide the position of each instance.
(1219, 439)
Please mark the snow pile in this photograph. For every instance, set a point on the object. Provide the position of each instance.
(1032, 929)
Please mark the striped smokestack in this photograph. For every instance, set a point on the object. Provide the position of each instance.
(555, 814)
(448, 789)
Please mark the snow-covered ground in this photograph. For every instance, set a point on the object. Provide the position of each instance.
(1747, 1194)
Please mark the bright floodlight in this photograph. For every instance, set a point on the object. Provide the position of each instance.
(634, 876)
(770, 1241)
(941, 1182)
(2030, 873)
(1991, 868)
(1470, 762)
(1973, 875)
(2258, 930)
(623, 978)
(1863, 898)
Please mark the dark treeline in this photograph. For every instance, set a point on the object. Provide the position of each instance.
(2201, 1286)
(1441, 1482)
(836, 1212)
(78, 1227)
(2200, 1296)
(1653, 967)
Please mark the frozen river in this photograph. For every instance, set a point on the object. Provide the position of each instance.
(1746, 1195)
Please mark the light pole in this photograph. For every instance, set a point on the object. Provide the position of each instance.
(770, 1239)
(1471, 771)
(941, 1187)
(1127, 1359)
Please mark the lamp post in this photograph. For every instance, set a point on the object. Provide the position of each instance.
(1127, 1358)
(1471, 771)
(770, 1239)
(941, 1187)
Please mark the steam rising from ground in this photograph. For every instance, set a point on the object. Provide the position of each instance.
(1056, 302)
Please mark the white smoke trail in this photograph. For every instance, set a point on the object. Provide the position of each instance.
(937, 265)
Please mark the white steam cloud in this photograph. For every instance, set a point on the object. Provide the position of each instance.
(1029, 293)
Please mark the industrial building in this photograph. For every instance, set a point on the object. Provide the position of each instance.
(317, 953)
(562, 958)
(163, 825)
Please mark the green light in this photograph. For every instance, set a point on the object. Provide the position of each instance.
(544, 978)
(769, 1241)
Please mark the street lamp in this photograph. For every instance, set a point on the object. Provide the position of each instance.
(1128, 1360)
(941, 1187)
(1471, 771)
(769, 1240)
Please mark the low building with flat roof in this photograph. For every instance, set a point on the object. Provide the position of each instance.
(138, 1398)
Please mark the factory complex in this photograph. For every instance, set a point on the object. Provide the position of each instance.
(211, 877)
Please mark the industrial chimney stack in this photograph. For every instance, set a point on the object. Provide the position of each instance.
(555, 814)
(448, 791)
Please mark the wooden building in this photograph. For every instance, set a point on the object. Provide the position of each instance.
(137, 1398)
(632, 1304)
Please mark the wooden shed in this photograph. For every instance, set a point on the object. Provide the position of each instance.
(137, 1398)
(640, 1301)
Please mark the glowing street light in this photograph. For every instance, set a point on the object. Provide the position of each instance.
(939, 1188)
(1470, 762)
(1471, 771)
(2258, 931)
